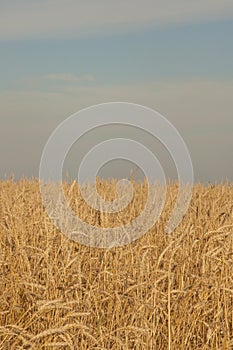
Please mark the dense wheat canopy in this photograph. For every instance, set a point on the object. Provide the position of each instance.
(160, 292)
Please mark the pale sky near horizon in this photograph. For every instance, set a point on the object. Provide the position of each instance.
(58, 57)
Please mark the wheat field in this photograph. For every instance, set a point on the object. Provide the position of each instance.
(160, 292)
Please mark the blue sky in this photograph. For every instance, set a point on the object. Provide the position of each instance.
(58, 57)
(198, 50)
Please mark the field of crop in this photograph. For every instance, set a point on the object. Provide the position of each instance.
(160, 292)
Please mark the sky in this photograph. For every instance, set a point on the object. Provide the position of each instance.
(57, 57)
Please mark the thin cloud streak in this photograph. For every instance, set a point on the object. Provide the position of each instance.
(56, 19)
(65, 77)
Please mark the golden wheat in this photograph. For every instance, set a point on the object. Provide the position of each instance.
(160, 292)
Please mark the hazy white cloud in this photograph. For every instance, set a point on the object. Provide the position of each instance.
(187, 103)
(65, 77)
(201, 111)
(60, 18)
